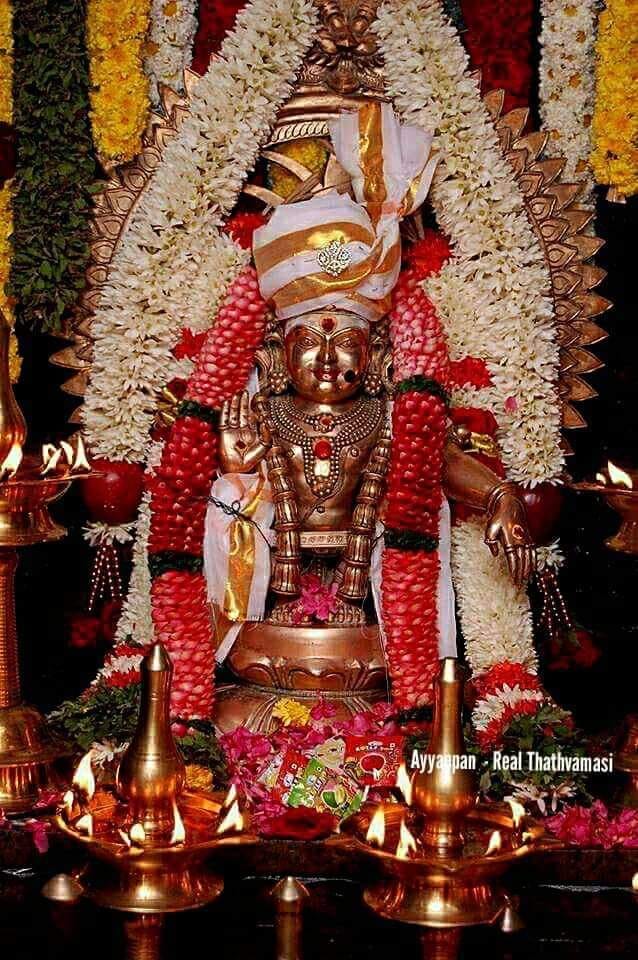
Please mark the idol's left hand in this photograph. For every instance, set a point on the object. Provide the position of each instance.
(507, 525)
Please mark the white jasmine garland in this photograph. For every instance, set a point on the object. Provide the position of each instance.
(169, 44)
(98, 533)
(136, 621)
(566, 85)
(549, 557)
(128, 663)
(493, 706)
(494, 612)
(493, 295)
(173, 265)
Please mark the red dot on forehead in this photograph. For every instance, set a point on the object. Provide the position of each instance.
(328, 324)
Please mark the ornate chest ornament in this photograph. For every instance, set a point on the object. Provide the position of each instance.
(322, 454)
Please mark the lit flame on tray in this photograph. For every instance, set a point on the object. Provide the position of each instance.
(85, 824)
(230, 797)
(137, 834)
(179, 830)
(404, 784)
(68, 802)
(52, 461)
(232, 821)
(495, 843)
(618, 476)
(376, 830)
(634, 882)
(406, 843)
(83, 777)
(81, 460)
(518, 811)
(11, 462)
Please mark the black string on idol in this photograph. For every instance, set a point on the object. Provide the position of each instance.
(234, 510)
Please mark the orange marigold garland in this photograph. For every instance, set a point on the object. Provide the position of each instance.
(410, 569)
(180, 491)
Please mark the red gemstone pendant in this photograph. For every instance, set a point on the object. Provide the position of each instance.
(322, 449)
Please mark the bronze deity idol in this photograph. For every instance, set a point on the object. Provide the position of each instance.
(304, 454)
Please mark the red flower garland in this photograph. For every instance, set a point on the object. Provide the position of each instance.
(180, 492)
(410, 576)
(499, 39)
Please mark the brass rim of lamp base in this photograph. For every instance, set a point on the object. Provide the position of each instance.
(153, 892)
(28, 757)
(626, 540)
(445, 905)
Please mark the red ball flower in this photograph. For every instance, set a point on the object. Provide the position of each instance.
(409, 596)
(216, 18)
(228, 353)
(182, 624)
(242, 226)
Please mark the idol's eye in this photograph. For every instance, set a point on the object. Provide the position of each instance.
(307, 342)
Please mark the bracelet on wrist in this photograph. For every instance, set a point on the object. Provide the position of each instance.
(500, 490)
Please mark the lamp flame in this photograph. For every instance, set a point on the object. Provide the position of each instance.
(125, 837)
(81, 461)
(137, 834)
(404, 784)
(376, 830)
(232, 821)
(179, 830)
(518, 811)
(527, 836)
(68, 802)
(68, 451)
(230, 797)
(495, 843)
(48, 449)
(618, 477)
(406, 843)
(85, 824)
(601, 479)
(83, 777)
(634, 882)
(52, 462)
(11, 462)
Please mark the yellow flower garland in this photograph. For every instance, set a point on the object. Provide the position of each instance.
(6, 222)
(615, 124)
(116, 34)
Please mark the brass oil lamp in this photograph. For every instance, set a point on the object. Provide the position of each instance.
(147, 838)
(28, 753)
(441, 855)
(620, 490)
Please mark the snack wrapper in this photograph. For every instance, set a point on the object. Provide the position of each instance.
(283, 771)
(326, 790)
(374, 761)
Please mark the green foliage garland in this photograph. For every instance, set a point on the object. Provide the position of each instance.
(55, 160)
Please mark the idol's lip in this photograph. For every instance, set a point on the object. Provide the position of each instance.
(329, 376)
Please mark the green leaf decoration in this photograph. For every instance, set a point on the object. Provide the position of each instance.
(55, 164)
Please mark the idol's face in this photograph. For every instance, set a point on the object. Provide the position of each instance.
(327, 353)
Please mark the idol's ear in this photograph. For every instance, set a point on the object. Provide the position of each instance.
(379, 374)
(271, 360)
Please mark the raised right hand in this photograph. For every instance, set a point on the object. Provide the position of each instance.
(240, 445)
